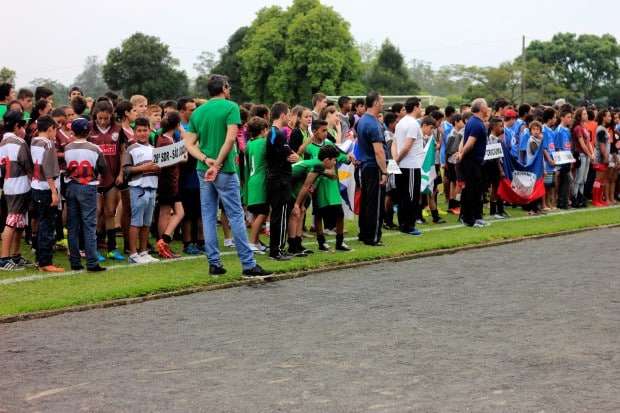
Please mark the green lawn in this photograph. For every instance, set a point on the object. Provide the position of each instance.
(135, 281)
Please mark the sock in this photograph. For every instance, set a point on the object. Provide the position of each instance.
(500, 207)
(167, 239)
(493, 208)
(292, 244)
(186, 244)
(339, 239)
(450, 203)
(200, 243)
(100, 238)
(111, 234)
(320, 239)
(435, 214)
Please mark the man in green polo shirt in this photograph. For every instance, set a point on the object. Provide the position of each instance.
(211, 138)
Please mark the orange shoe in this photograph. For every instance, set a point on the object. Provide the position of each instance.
(162, 249)
(51, 268)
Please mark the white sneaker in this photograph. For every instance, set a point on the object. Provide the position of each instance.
(229, 243)
(498, 216)
(144, 255)
(256, 249)
(136, 259)
(330, 232)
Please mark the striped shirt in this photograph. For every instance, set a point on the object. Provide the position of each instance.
(85, 163)
(45, 160)
(15, 164)
(136, 155)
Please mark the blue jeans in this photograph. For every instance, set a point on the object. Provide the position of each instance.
(82, 214)
(225, 188)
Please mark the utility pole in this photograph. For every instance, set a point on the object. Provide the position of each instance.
(523, 70)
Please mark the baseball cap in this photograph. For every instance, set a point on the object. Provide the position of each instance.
(12, 118)
(510, 114)
(80, 126)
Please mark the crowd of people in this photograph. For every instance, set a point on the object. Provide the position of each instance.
(88, 166)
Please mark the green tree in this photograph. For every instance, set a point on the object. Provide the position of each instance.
(7, 75)
(91, 79)
(586, 65)
(205, 63)
(291, 54)
(143, 65)
(60, 91)
(389, 74)
(228, 64)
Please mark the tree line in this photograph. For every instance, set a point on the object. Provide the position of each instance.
(289, 54)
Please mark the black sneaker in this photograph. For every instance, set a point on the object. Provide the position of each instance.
(307, 251)
(77, 267)
(373, 244)
(343, 247)
(217, 270)
(280, 257)
(439, 221)
(96, 268)
(257, 271)
(323, 247)
(22, 262)
(9, 265)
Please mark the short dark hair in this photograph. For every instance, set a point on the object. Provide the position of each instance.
(411, 104)
(113, 97)
(500, 103)
(455, 118)
(216, 84)
(397, 107)
(45, 122)
(548, 114)
(75, 89)
(524, 109)
(142, 122)
(428, 121)
(360, 101)
(184, 101)
(78, 103)
(317, 97)
(261, 111)
(170, 122)
(463, 106)
(256, 126)
(169, 104)
(371, 98)
(389, 118)
(600, 116)
(277, 109)
(430, 109)
(494, 121)
(343, 100)
(58, 112)
(328, 152)
(24, 93)
(437, 115)
(103, 106)
(42, 92)
(449, 111)
(565, 112)
(318, 123)
(5, 90)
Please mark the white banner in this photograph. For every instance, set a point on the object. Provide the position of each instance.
(170, 155)
(494, 151)
(563, 157)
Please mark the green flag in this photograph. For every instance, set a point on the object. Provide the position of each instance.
(428, 168)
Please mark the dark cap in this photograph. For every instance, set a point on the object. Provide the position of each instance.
(80, 126)
(12, 118)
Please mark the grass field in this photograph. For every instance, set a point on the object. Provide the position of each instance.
(28, 291)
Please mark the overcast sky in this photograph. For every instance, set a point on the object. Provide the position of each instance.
(52, 38)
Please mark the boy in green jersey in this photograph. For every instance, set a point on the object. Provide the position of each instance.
(255, 175)
(328, 201)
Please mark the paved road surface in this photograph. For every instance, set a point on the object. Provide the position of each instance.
(475, 331)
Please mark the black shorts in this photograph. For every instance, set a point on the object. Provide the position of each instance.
(331, 211)
(259, 209)
(451, 172)
(168, 199)
(191, 203)
(438, 181)
(18, 204)
(491, 172)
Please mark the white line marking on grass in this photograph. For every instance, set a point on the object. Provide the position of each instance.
(37, 277)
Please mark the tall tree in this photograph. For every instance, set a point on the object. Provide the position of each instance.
(585, 64)
(143, 65)
(205, 63)
(389, 74)
(91, 79)
(7, 75)
(228, 64)
(60, 91)
(291, 54)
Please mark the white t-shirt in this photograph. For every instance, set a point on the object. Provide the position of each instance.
(409, 128)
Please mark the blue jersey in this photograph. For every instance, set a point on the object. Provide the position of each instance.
(447, 128)
(563, 141)
(548, 144)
